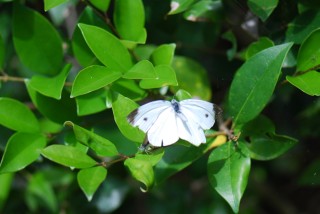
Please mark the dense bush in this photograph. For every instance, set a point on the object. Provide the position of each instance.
(72, 71)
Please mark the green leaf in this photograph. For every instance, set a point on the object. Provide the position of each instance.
(51, 87)
(68, 156)
(310, 174)
(100, 145)
(129, 88)
(129, 20)
(309, 52)
(40, 191)
(5, 186)
(81, 51)
(163, 55)
(22, 149)
(48, 4)
(2, 52)
(142, 70)
(122, 107)
(58, 111)
(228, 171)
(142, 171)
(178, 157)
(16, 116)
(254, 83)
(183, 95)
(166, 76)
(93, 78)
(94, 102)
(192, 77)
(36, 41)
(308, 82)
(256, 47)
(90, 179)
(262, 8)
(106, 47)
(299, 29)
(101, 5)
(153, 157)
(262, 141)
(204, 10)
(178, 6)
(231, 38)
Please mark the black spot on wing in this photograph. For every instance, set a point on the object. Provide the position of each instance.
(132, 115)
(206, 115)
(145, 119)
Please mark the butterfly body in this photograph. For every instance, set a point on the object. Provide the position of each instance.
(165, 122)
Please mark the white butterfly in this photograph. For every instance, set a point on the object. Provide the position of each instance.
(165, 122)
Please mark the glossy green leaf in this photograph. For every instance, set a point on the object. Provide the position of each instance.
(176, 158)
(254, 83)
(36, 41)
(262, 8)
(129, 88)
(81, 50)
(40, 187)
(101, 146)
(129, 20)
(182, 95)
(48, 126)
(21, 150)
(93, 78)
(2, 52)
(90, 179)
(122, 107)
(178, 6)
(142, 70)
(17, 116)
(5, 186)
(106, 47)
(102, 5)
(68, 156)
(48, 4)
(192, 77)
(309, 52)
(262, 141)
(51, 87)
(142, 171)
(255, 47)
(163, 55)
(204, 10)
(58, 111)
(153, 157)
(166, 77)
(231, 38)
(308, 82)
(228, 171)
(299, 29)
(94, 102)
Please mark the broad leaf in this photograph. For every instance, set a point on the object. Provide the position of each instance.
(308, 82)
(106, 47)
(93, 78)
(51, 87)
(16, 116)
(129, 88)
(262, 8)
(21, 150)
(101, 5)
(100, 145)
(68, 156)
(36, 41)
(309, 52)
(163, 55)
(256, 47)
(153, 157)
(142, 171)
(178, 6)
(228, 171)
(5, 186)
(90, 179)
(122, 107)
(129, 20)
(48, 4)
(166, 77)
(142, 70)
(204, 10)
(254, 83)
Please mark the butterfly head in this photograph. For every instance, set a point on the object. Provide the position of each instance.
(175, 105)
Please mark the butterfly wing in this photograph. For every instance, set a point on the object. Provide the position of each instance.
(198, 111)
(190, 131)
(146, 115)
(164, 131)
